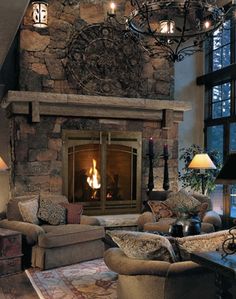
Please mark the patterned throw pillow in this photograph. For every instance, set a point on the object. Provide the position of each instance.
(160, 209)
(73, 212)
(52, 213)
(201, 243)
(29, 210)
(181, 200)
(143, 246)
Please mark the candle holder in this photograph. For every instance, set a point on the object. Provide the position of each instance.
(165, 156)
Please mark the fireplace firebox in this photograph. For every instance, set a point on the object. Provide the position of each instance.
(102, 170)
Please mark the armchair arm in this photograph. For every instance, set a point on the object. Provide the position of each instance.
(146, 217)
(115, 259)
(30, 230)
(89, 220)
(213, 218)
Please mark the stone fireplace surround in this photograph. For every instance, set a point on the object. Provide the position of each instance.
(38, 118)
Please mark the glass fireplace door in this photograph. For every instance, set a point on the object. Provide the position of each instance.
(102, 170)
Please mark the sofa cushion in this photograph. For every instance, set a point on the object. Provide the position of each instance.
(13, 212)
(50, 212)
(73, 212)
(201, 243)
(143, 245)
(160, 209)
(29, 210)
(63, 235)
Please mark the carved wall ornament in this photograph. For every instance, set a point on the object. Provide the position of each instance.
(102, 60)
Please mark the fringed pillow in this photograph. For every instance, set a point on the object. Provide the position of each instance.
(144, 246)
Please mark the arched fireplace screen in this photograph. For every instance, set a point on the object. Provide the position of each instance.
(102, 170)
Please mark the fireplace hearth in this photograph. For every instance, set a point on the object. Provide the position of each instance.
(102, 170)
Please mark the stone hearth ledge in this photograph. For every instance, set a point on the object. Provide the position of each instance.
(44, 103)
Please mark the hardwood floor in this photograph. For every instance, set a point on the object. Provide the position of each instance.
(16, 286)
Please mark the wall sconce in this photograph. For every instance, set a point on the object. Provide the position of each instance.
(3, 165)
(40, 14)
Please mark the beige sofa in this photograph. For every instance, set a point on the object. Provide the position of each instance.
(49, 246)
(138, 279)
(146, 222)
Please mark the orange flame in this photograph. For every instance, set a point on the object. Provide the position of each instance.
(94, 178)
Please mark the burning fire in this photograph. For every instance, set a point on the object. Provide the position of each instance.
(94, 178)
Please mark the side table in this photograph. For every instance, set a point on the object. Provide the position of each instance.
(224, 268)
(10, 251)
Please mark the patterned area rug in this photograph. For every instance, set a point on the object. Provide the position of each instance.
(87, 280)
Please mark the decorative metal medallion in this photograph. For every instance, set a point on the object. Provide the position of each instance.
(102, 60)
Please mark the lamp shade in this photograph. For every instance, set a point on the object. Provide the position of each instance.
(201, 161)
(227, 174)
(3, 165)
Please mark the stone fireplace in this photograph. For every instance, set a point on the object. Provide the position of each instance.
(60, 142)
(90, 98)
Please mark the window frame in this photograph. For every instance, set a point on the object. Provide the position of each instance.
(211, 79)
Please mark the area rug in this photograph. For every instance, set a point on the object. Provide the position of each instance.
(86, 280)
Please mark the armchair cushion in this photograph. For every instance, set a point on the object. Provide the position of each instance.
(64, 235)
(143, 245)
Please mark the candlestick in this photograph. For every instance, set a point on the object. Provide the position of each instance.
(151, 153)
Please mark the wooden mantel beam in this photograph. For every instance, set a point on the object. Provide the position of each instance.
(42, 103)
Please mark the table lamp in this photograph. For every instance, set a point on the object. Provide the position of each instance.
(227, 176)
(202, 162)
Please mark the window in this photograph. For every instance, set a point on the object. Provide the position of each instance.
(220, 116)
(221, 100)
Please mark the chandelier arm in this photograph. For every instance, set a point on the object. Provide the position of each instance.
(186, 5)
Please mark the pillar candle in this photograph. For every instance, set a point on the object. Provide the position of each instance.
(165, 150)
(151, 146)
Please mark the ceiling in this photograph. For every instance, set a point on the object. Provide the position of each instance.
(11, 15)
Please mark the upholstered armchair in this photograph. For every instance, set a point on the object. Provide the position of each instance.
(138, 279)
(47, 244)
(149, 221)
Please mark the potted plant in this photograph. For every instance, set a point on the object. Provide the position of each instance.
(191, 178)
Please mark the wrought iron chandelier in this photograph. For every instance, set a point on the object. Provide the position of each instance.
(172, 29)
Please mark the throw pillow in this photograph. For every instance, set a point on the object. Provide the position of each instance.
(201, 243)
(202, 209)
(203, 199)
(160, 209)
(13, 212)
(143, 246)
(29, 210)
(51, 213)
(73, 212)
(181, 201)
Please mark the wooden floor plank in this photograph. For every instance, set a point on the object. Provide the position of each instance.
(16, 286)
